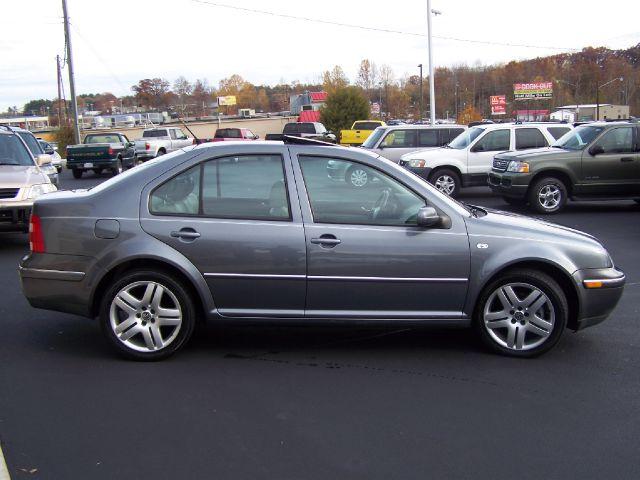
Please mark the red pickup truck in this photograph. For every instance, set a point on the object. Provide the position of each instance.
(238, 134)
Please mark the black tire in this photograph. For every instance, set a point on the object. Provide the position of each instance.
(544, 283)
(117, 170)
(77, 173)
(550, 184)
(135, 161)
(178, 289)
(445, 176)
(161, 152)
(357, 176)
(516, 202)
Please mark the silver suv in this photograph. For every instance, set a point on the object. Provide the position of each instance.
(257, 231)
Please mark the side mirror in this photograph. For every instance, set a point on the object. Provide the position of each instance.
(43, 159)
(596, 150)
(427, 217)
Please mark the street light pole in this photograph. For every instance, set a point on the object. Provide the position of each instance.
(598, 95)
(421, 96)
(72, 83)
(432, 93)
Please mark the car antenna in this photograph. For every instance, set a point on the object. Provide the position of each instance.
(185, 126)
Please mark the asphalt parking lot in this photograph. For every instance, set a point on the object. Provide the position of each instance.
(320, 403)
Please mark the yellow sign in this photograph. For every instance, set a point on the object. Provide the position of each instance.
(228, 100)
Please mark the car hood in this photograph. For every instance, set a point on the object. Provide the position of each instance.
(433, 152)
(537, 153)
(18, 176)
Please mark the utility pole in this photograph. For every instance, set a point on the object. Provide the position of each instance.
(432, 92)
(72, 83)
(59, 74)
(421, 96)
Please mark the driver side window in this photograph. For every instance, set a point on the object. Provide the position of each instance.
(617, 140)
(345, 192)
(495, 141)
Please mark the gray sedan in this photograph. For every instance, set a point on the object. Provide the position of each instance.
(258, 232)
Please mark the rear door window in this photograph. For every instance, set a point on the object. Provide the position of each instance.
(450, 133)
(529, 138)
(429, 138)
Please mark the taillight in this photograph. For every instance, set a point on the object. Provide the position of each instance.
(36, 239)
(110, 151)
(147, 146)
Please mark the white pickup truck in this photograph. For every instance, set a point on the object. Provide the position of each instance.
(158, 141)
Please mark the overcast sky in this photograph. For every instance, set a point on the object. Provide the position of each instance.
(118, 42)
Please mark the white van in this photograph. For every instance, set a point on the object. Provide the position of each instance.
(467, 160)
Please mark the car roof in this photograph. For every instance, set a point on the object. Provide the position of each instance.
(409, 126)
(494, 126)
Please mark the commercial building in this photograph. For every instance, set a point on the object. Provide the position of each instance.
(588, 112)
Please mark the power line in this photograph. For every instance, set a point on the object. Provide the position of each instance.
(375, 29)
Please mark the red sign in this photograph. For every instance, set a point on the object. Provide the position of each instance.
(498, 104)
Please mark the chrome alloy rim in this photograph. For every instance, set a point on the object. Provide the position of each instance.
(145, 316)
(519, 316)
(359, 178)
(549, 196)
(445, 184)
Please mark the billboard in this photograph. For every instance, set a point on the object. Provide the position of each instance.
(498, 104)
(527, 91)
(375, 108)
(228, 100)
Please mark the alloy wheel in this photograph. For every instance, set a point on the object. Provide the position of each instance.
(549, 197)
(145, 316)
(358, 177)
(446, 184)
(519, 316)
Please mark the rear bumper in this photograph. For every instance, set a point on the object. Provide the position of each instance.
(599, 290)
(508, 185)
(80, 165)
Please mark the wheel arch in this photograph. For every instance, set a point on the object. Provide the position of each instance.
(151, 263)
(555, 271)
(553, 172)
(453, 168)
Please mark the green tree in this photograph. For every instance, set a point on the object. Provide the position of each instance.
(343, 107)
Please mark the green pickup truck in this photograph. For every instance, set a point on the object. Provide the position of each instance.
(101, 151)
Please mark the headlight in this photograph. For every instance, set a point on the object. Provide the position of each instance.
(417, 163)
(40, 189)
(518, 167)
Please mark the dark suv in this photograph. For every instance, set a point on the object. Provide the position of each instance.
(596, 161)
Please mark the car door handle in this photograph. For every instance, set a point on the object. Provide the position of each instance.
(185, 234)
(326, 240)
(626, 159)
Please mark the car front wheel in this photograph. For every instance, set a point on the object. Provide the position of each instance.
(147, 315)
(523, 313)
(548, 195)
(447, 181)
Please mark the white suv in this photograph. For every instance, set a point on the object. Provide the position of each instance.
(467, 160)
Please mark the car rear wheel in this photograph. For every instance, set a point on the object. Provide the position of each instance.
(357, 177)
(548, 195)
(447, 181)
(77, 173)
(117, 170)
(147, 315)
(522, 314)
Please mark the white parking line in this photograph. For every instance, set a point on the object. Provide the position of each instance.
(4, 473)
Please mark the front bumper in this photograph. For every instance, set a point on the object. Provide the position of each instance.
(15, 216)
(599, 290)
(422, 172)
(509, 184)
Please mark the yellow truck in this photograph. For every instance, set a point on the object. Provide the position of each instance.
(359, 132)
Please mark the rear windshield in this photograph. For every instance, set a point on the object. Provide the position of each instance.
(32, 143)
(365, 125)
(101, 139)
(154, 133)
(228, 133)
(371, 141)
(13, 151)
(299, 128)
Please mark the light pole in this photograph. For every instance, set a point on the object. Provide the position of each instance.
(72, 83)
(432, 89)
(421, 97)
(598, 94)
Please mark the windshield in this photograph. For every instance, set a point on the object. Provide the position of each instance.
(154, 133)
(31, 142)
(371, 141)
(102, 139)
(228, 133)
(579, 138)
(13, 152)
(463, 140)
